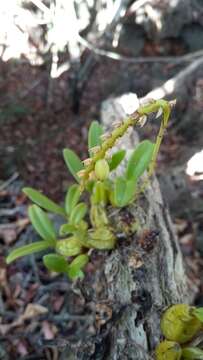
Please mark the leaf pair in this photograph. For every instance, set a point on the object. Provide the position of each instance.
(75, 211)
(140, 160)
(124, 187)
(94, 136)
(72, 161)
(43, 201)
(42, 224)
(57, 263)
(116, 159)
(123, 192)
(43, 227)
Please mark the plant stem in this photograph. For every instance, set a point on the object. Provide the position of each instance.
(132, 120)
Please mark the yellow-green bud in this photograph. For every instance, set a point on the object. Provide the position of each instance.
(179, 324)
(168, 350)
(101, 169)
(101, 238)
(69, 247)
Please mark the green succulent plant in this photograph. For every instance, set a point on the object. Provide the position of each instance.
(86, 225)
(180, 324)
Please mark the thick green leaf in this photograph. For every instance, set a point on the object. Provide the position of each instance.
(198, 312)
(140, 160)
(192, 353)
(116, 159)
(73, 163)
(72, 198)
(95, 131)
(67, 229)
(123, 191)
(76, 265)
(43, 201)
(42, 223)
(55, 262)
(27, 250)
(78, 213)
(89, 185)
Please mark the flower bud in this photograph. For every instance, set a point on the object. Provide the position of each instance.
(168, 350)
(179, 324)
(102, 169)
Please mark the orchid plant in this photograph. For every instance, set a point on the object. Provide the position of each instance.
(86, 224)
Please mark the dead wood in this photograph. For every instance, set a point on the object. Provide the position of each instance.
(131, 285)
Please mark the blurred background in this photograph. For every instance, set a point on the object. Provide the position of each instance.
(59, 60)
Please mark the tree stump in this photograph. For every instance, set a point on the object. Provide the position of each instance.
(130, 286)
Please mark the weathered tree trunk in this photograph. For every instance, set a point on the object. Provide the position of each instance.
(131, 285)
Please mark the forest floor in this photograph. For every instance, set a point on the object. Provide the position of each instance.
(39, 312)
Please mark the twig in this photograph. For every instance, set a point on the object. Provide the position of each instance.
(41, 6)
(141, 59)
(170, 85)
(21, 223)
(32, 87)
(9, 181)
(138, 4)
(11, 212)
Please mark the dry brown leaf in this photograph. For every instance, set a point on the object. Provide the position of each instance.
(10, 231)
(33, 310)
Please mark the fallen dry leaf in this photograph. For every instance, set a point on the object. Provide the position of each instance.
(10, 231)
(31, 311)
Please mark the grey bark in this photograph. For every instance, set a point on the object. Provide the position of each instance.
(133, 284)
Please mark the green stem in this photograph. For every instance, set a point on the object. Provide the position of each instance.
(165, 106)
(117, 133)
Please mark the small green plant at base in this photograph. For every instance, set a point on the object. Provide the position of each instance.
(87, 226)
(180, 324)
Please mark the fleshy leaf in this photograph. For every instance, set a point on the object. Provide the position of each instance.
(66, 229)
(89, 185)
(55, 262)
(198, 312)
(95, 131)
(73, 163)
(27, 250)
(192, 353)
(42, 223)
(140, 160)
(74, 270)
(43, 201)
(72, 198)
(123, 191)
(78, 213)
(116, 159)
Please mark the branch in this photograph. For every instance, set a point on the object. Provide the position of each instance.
(170, 85)
(162, 59)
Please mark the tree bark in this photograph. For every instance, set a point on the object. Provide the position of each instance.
(131, 285)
